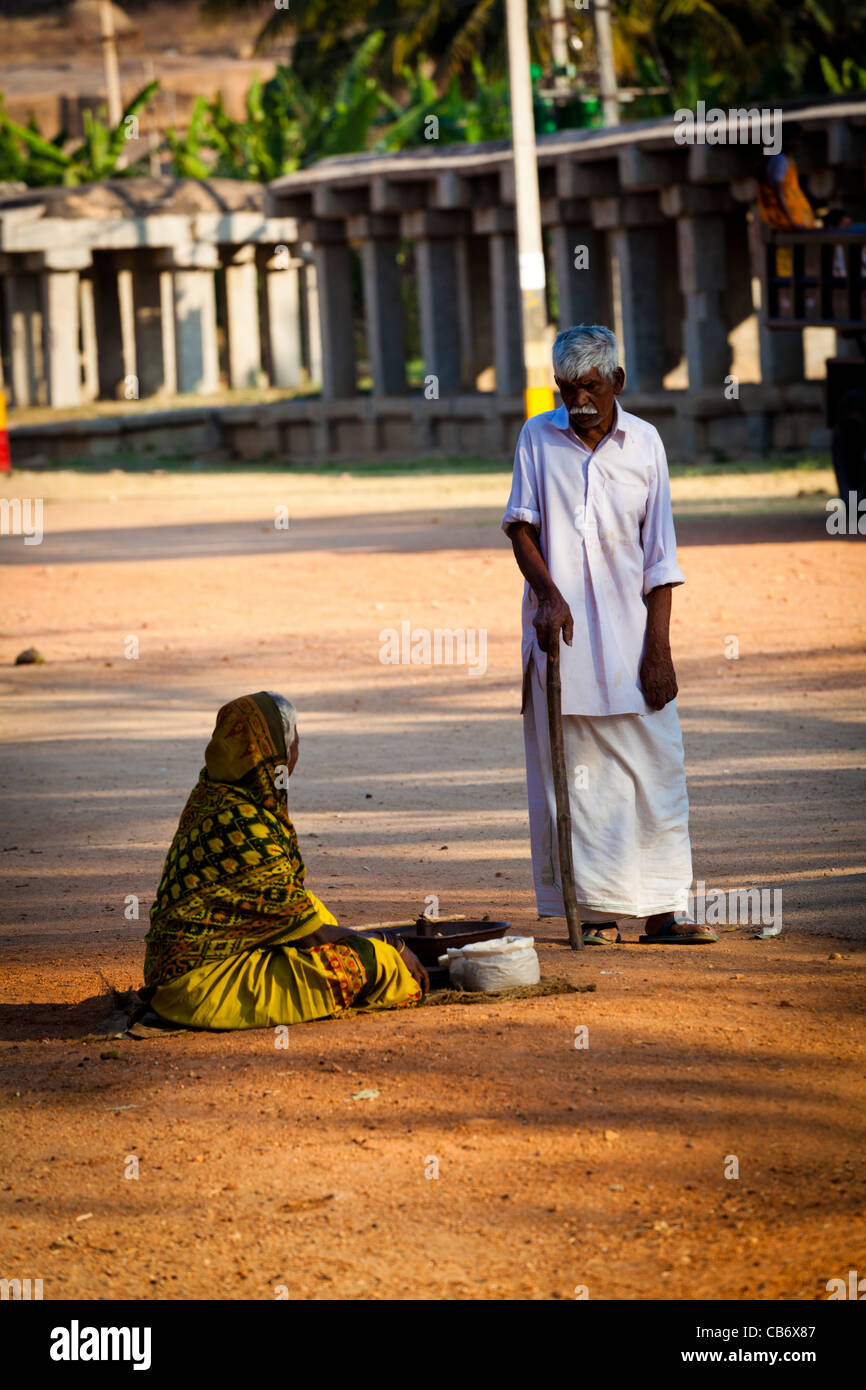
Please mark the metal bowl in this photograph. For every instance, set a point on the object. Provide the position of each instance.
(430, 939)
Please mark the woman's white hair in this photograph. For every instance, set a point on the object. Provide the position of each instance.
(577, 350)
(288, 715)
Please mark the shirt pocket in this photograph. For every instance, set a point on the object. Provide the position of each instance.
(621, 510)
(625, 500)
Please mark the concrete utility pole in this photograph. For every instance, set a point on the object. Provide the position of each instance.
(538, 393)
(606, 70)
(153, 157)
(559, 42)
(112, 72)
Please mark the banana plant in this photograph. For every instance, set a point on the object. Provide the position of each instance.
(285, 126)
(42, 163)
(482, 114)
(186, 148)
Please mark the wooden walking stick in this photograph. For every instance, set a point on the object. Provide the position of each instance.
(563, 803)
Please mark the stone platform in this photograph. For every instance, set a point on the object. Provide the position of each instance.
(694, 426)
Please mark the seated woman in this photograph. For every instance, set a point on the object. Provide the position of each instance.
(236, 940)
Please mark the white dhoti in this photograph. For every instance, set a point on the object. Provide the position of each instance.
(629, 810)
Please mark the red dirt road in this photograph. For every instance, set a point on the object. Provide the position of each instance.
(559, 1169)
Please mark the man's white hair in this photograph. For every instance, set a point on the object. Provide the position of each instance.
(577, 350)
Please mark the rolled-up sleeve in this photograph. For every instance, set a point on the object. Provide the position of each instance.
(657, 533)
(523, 501)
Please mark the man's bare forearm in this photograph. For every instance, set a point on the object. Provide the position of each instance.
(526, 545)
(657, 676)
(553, 615)
(658, 622)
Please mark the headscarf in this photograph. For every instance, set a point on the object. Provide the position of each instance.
(234, 877)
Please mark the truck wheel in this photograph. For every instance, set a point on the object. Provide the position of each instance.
(849, 444)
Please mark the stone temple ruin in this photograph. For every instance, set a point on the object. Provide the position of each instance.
(338, 276)
(111, 290)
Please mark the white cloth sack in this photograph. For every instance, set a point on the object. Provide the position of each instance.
(503, 963)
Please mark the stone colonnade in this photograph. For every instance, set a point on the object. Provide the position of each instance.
(643, 233)
(151, 305)
(171, 287)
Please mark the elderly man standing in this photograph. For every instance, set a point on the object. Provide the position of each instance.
(589, 518)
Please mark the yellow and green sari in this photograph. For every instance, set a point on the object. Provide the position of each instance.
(232, 899)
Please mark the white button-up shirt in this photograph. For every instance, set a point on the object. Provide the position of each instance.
(607, 535)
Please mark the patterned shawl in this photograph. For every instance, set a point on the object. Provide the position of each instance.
(233, 878)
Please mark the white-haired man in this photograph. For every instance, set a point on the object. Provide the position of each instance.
(589, 518)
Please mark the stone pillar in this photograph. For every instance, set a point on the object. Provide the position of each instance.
(62, 353)
(673, 308)
(151, 289)
(498, 225)
(126, 306)
(169, 337)
(243, 328)
(312, 323)
(637, 257)
(581, 266)
(113, 367)
(437, 303)
(639, 289)
(701, 258)
(474, 310)
(283, 318)
(738, 304)
(194, 315)
(435, 235)
(23, 304)
(380, 244)
(333, 261)
(89, 346)
(195, 328)
(506, 309)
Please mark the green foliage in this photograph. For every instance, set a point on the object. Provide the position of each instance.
(285, 125)
(481, 113)
(186, 149)
(728, 51)
(850, 78)
(698, 81)
(288, 125)
(488, 115)
(370, 74)
(26, 157)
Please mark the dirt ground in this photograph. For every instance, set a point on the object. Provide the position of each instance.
(260, 1172)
